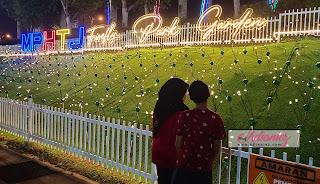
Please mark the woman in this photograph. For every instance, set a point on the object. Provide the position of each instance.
(167, 110)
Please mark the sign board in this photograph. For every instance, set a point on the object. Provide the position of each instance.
(264, 170)
(264, 138)
(147, 27)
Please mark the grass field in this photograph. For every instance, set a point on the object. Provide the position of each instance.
(125, 84)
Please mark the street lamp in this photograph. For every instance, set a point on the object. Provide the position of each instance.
(100, 18)
(8, 36)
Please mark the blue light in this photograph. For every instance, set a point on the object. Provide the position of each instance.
(108, 13)
(80, 45)
(201, 10)
(26, 42)
(204, 7)
(37, 39)
(29, 42)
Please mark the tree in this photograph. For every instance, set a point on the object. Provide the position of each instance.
(236, 7)
(127, 6)
(33, 13)
(86, 9)
(183, 9)
(65, 6)
(262, 9)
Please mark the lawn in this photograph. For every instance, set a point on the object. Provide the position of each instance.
(241, 78)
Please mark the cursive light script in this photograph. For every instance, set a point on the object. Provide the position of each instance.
(143, 29)
(103, 34)
(245, 22)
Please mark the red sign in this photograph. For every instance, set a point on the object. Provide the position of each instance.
(264, 170)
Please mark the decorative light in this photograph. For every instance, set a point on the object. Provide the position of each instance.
(273, 4)
(62, 33)
(155, 27)
(109, 35)
(245, 22)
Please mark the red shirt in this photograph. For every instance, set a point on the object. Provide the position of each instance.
(164, 152)
(199, 129)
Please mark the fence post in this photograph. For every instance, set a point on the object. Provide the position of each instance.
(153, 173)
(30, 119)
(279, 27)
(188, 32)
(219, 164)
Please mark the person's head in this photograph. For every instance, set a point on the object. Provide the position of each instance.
(171, 97)
(174, 89)
(199, 92)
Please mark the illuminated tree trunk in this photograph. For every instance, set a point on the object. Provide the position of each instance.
(126, 10)
(125, 13)
(18, 30)
(114, 14)
(236, 5)
(66, 12)
(146, 9)
(182, 8)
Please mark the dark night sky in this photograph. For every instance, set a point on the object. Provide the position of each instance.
(7, 25)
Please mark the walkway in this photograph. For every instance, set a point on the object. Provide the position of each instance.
(19, 169)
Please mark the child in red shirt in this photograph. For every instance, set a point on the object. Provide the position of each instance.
(198, 139)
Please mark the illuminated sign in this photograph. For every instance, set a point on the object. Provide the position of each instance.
(151, 24)
(30, 41)
(103, 34)
(148, 30)
(214, 12)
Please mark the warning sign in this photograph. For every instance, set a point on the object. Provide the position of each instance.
(261, 179)
(263, 170)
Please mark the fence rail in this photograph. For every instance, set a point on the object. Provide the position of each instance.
(116, 145)
(289, 23)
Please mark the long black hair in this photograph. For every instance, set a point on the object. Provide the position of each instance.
(169, 102)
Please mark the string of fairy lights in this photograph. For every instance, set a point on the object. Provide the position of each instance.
(126, 84)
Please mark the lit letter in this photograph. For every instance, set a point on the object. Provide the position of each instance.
(63, 33)
(26, 42)
(47, 40)
(37, 39)
(30, 42)
(78, 46)
(153, 27)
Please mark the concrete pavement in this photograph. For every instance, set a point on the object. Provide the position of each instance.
(19, 169)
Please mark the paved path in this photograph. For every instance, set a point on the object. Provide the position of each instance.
(17, 168)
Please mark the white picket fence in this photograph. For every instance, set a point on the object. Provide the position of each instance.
(114, 145)
(289, 23)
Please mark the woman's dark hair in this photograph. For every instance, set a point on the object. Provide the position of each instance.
(169, 102)
(199, 92)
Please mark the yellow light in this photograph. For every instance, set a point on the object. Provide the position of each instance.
(8, 35)
(155, 27)
(63, 33)
(109, 36)
(100, 18)
(245, 22)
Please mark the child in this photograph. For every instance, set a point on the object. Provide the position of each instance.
(198, 139)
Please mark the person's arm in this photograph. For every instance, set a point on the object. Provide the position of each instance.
(179, 140)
